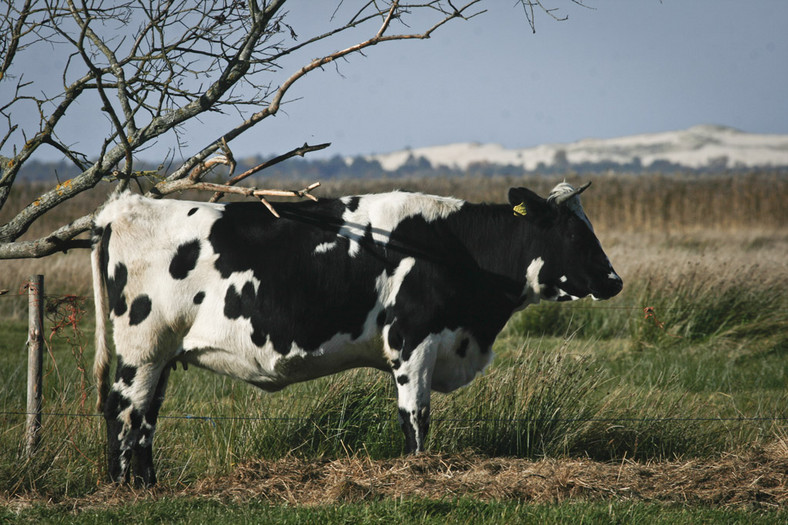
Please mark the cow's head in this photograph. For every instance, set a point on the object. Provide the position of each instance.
(566, 262)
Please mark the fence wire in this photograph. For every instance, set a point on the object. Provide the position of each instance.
(213, 419)
(649, 314)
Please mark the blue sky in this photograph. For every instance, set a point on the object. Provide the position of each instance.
(624, 67)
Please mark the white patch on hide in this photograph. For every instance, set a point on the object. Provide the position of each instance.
(388, 287)
(532, 291)
(453, 371)
(324, 247)
(383, 212)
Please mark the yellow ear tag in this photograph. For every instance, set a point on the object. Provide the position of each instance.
(520, 209)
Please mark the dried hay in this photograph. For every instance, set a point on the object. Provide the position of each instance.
(755, 479)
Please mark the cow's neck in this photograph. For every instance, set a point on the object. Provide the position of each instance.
(502, 245)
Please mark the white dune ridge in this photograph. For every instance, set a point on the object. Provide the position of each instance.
(696, 147)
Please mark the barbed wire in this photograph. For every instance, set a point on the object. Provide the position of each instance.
(71, 297)
(626, 419)
(66, 311)
(5, 295)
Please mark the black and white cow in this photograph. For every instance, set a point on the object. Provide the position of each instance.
(415, 285)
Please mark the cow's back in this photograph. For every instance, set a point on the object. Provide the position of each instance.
(153, 256)
(271, 301)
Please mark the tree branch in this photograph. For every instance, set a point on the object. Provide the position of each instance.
(273, 106)
(187, 184)
(300, 152)
(186, 57)
(59, 240)
(16, 35)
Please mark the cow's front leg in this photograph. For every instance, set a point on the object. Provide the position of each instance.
(125, 411)
(414, 419)
(412, 371)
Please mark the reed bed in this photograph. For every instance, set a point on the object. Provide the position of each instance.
(622, 203)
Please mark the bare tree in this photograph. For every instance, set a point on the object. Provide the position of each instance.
(173, 61)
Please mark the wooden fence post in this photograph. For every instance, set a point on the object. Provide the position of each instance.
(35, 359)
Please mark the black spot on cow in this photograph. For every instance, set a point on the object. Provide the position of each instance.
(406, 352)
(232, 303)
(289, 290)
(115, 286)
(198, 299)
(102, 236)
(192, 212)
(140, 309)
(462, 350)
(248, 299)
(246, 305)
(395, 339)
(422, 418)
(116, 403)
(369, 240)
(352, 204)
(407, 428)
(116, 283)
(96, 234)
(136, 418)
(185, 259)
(125, 372)
(402, 380)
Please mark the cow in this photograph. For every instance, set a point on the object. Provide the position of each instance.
(415, 285)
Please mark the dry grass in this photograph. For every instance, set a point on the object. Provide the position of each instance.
(756, 478)
(656, 203)
(757, 254)
(621, 203)
(738, 220)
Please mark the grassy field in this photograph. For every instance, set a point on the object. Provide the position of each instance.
(696, 382)
(205, 510)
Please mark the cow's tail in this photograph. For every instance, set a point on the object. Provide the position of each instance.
(102, 359)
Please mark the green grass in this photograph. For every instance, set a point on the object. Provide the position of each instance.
(207, 510)
(585, 379)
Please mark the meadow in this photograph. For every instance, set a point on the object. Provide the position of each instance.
(668, 401)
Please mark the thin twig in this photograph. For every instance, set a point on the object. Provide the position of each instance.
(250, 192)
(300, 152)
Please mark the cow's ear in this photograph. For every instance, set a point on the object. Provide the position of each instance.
(526, 203)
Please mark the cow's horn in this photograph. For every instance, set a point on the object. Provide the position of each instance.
(560, 199)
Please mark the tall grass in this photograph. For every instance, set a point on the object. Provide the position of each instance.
(683, 301)
(604, 380)
(556, 388)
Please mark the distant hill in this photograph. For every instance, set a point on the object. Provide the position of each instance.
(700, 149)
(697, 148)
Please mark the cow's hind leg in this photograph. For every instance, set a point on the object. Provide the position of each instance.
(144, 472)
(126, 409)
(412, 371)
